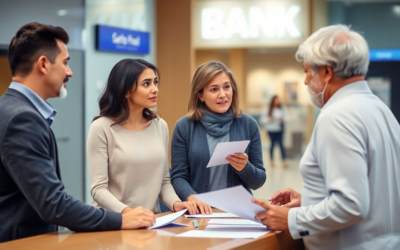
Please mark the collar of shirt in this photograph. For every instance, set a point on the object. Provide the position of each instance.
(351, 88)
(44, 108)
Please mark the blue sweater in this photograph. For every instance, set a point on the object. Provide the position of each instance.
(190, 155)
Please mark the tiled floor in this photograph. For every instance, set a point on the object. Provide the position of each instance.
(277, 176)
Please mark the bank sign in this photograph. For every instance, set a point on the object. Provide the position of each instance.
(250, 23)
(114, 39)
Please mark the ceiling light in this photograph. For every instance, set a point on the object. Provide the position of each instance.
(396, 9)
(62, 12)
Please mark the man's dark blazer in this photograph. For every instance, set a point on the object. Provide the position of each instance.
(32, 197)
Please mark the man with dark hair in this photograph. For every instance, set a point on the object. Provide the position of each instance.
(32, 197)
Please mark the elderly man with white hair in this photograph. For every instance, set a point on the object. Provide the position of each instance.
(351, 167)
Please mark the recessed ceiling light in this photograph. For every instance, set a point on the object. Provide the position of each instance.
(396, 9)
(62, 12)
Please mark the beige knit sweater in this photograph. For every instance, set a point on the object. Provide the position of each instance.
(129, 168)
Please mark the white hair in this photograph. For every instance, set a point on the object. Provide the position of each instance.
(344, 50)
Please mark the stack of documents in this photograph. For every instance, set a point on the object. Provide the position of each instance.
(229, 228)
(235, 225)
(226, 234)
(225, 228)
(235, 200)
(213, 215)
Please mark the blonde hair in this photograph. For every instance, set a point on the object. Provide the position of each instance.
(202, 77)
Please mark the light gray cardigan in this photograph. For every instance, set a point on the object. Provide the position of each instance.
(190, 155)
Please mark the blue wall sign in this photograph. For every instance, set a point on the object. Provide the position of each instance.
(122, 40)
(384, 55)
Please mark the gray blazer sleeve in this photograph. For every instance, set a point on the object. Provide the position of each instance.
(180, 173)
(25, 153)
(253, 175)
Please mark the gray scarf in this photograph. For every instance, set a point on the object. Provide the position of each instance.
(217, 125)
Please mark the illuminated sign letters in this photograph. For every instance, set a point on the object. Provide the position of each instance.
(273, 22)
(250, 23)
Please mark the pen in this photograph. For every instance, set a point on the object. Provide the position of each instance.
(195, 224)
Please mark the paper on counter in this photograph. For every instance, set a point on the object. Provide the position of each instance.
(172, 225)
(213, 215)
(251, 228)
(233, 222)
(235, 225)
(221, 234)
(167, 219)
(235, 200)
(223, 149)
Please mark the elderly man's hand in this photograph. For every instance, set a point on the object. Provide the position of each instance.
(275, 217)
(286, 197)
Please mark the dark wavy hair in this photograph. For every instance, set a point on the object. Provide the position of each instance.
(123, 77)
(271, 105)
(32, 41)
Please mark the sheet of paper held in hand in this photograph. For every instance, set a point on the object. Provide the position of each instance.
(235, 200)
(168, 219)
(223, 149)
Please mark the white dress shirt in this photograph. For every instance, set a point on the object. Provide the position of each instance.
(351, 174)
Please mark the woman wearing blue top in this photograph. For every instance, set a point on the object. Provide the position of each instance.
(274, 120)
(214, 116)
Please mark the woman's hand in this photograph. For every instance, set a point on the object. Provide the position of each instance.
(202, 207)
(137, 218)
(287, 198)
(189, 205)
(238, 161)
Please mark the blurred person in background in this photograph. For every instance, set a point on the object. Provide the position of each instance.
(274, 124)
(127, 144)
(214, 116)
(351, 167)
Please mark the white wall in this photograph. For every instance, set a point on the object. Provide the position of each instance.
(270, 71)
(68, 123)
(266, 77)
(16, 13)
(378, 22)
(130, 14)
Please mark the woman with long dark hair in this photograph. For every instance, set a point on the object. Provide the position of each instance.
(275, 128)
(128, 144)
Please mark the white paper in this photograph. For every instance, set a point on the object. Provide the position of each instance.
(235, 200)
(172, 225)
(238, 228)
(221, 234)
(223, 149)
(213, 215)
(233, 222)
(166, 219)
